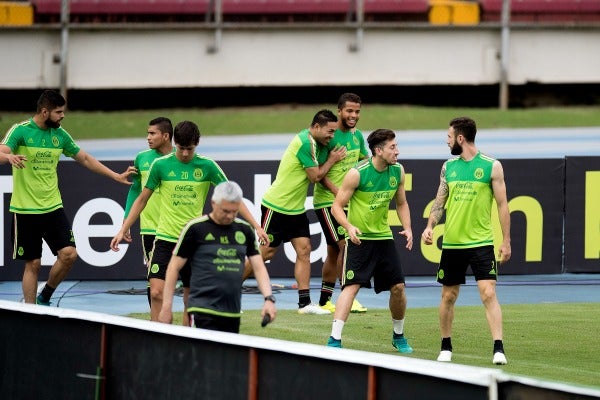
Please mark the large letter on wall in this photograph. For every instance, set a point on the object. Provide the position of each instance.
(592, 214)
(534, 227)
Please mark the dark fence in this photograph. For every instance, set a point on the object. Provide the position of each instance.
(56, 353)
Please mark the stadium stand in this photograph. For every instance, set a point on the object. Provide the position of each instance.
(15, 13)
(553, 11)
(534, 11)
(123, 10)
(232, 10)
(396, 10)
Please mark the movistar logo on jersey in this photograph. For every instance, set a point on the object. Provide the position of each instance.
(209, 237)
(478, 173)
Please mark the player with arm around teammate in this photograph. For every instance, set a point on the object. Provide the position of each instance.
(284, 216)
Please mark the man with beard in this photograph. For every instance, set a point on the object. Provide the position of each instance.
(367, 191)
(468, 185)
(352, 139)
(33, 148)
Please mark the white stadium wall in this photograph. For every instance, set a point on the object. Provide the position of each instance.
(180, 56)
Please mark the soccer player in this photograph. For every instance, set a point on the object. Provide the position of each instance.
(284, 217)
(33, 148)
(216, 246)
(183, 179)
(346, 135)
(159, 136)
(468, 185)
(368, 190)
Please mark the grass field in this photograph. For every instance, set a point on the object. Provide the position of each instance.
(554, 342)
(291, 119)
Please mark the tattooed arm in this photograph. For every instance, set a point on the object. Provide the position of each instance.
(437, 210)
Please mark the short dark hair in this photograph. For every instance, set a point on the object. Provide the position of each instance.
(50, 99)
(323, 117)
(186, 133)
(348, 98)
(464, 126)
(378, 137)
(164, 124)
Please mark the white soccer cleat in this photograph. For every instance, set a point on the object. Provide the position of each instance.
(499, 358)
(445, 356)
(313, 309)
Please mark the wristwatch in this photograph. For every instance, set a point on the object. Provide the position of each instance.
(270, 298)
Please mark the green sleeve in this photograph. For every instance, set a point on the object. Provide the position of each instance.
(134, 190)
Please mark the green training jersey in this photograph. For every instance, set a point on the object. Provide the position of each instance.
(183, 188)
(354, 142)
(469, 205)
(150, 213)
(369, 205)
(288, 192)
(35, 187)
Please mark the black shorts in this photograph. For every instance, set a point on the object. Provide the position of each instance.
(29, 230)
(161, 255)
(282, 228)
(147, 246)
(377, 259)
(215, 322)
(454, 264)
(332, 230)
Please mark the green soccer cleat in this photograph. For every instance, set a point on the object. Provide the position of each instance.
(41, 302)
(401, 344)
(331, 342)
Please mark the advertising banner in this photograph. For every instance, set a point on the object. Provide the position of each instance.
(95, 206)
(582, 215)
